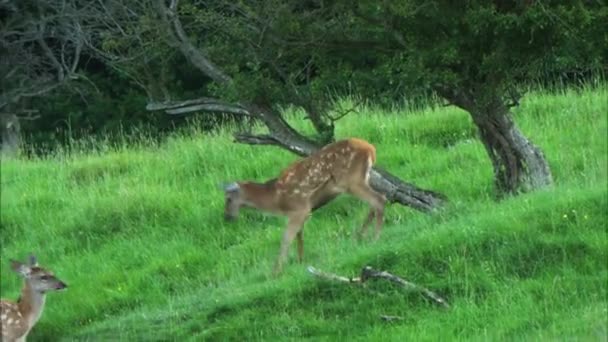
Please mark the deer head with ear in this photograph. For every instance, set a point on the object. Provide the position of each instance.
(18, 318)
(23, 269)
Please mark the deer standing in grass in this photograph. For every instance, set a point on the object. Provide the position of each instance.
(19, 318)
(307, 185)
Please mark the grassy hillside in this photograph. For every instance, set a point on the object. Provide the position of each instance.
(138, 234)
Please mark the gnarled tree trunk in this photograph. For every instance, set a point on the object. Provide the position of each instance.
(518, 164)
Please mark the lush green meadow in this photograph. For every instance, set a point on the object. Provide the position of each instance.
(138, 234)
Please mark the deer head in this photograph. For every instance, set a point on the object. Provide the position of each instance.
(40, 279)
(18, 318)
(233, 201)
(263, 196)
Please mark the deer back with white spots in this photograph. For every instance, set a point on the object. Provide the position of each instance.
(308, 184)
(19, 317)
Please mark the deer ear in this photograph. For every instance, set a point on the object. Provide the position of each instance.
(33, 260)
(234, 186)
(21, 268)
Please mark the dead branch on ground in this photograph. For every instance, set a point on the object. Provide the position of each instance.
(369, 273)
(389, 318)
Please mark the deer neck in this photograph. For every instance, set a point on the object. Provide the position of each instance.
(31, 304)
(262, 196)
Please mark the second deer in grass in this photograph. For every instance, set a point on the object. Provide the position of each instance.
(308, 184)
(19, 318)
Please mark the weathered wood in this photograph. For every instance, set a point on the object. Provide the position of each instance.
(369, 273)
(202, 104)
(330, 276)
(390, 318)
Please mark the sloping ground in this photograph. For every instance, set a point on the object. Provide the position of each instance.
(138, 234)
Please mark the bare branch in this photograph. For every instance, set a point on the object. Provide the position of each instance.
(389, 318)
(51, 57)
(77, 50)
(268, 139)
(346, 112)
(43, 47)
(209, 107)
(368, 273)
(330, 276)
(203, 104)
(28, 114)
(195, 55)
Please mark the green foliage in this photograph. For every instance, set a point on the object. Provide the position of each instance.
(478, 43)
(137, 233)
(290, 53)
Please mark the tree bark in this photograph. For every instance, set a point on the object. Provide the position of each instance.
(518, 164)
(11, 134)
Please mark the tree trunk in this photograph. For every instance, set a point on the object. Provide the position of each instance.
(11, 134)
(518, 164)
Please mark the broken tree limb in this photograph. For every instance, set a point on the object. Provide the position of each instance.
(205, 104)
(389, 318)
(368, 273)
(398, 191)
(267, 139)
(330, 276)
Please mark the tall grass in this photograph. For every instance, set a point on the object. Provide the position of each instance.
(137, 232)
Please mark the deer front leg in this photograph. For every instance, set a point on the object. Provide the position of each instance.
(294, 225)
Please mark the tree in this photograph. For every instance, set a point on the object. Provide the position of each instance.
(253, 82)
(41, 44)
(475, 55)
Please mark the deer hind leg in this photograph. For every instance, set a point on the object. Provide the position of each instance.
(363, 230)
(294, 227)
(376, 201)
(300, 239)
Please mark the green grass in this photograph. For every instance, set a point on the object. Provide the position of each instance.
(138, 234)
